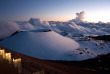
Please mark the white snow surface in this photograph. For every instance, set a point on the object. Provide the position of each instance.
(42, 45)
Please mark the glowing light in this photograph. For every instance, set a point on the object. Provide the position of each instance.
(17, 64)
(8, 57)
(2, 52)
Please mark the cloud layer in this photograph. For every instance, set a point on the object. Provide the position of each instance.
(79, 17)
(73, 26)
(38, 23)
(7, 28)
(25, 26)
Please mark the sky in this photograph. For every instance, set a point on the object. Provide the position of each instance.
(54, 10)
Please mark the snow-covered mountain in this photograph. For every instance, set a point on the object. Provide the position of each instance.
(43, 45)
(35, 39)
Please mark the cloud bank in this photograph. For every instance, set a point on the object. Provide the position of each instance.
(79, 17)
(38, 23)
(73, 26)
(7, 28)
(25, 26)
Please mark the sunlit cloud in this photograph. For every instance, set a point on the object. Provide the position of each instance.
(96, 17)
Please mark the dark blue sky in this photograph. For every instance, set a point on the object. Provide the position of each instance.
(61, 10)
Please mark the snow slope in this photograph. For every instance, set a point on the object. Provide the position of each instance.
(42, 45)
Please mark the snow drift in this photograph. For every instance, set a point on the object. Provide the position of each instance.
(42, 45)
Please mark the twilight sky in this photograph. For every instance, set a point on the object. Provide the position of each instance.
(54, 10)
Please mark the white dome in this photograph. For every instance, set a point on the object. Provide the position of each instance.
(42, 45)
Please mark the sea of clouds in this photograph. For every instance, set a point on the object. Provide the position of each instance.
(74, 26)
